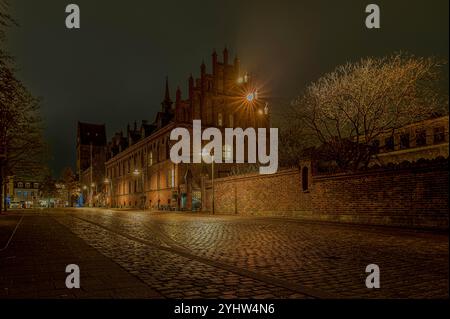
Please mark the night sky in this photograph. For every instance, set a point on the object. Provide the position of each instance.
(112, 70)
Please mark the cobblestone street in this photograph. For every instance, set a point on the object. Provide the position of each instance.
(132, 254)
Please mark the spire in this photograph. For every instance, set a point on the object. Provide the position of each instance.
(178, 99)
(203, 67)
(225, 56)
(167, 103)
(167, 93)
(191, 87)
(237, 65)
(214, 62)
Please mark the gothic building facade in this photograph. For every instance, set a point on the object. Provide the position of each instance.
(139, 171)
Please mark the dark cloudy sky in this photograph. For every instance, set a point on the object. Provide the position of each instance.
(112, 70)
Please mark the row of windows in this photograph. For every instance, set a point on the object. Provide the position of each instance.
(136, 186)
(27, 185)
(146, 157)
(405, 139)
(25, 194)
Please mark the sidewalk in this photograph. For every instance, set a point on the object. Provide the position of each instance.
(33, 266)
(8, 224)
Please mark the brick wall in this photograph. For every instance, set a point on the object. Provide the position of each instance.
(412, 196)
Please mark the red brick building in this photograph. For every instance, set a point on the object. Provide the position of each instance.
(139, 171)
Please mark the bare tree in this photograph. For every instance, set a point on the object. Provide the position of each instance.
(69, 179)
(345, 111)
(22, 147)
(48, 189)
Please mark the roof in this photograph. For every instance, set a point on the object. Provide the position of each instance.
(92, 133)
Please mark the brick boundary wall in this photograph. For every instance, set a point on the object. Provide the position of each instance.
(414, 196)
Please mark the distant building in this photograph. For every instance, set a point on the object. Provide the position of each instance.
(91, 157)
(426, 139)
(139, 171)
(25, 193)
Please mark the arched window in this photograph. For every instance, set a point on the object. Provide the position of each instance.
(305, 179)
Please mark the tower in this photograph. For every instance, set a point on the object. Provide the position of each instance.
(167, 102)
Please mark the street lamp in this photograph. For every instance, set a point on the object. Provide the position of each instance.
(92, 195)
(136, 173)
(109, 181)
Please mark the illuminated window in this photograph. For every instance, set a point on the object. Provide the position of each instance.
(150, 158)
(20, 185)
(173, 177)
(227, 152)
(27, 185)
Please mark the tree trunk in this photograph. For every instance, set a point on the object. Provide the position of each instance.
(1, 187)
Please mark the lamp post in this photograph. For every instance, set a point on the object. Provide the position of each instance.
(212, 180)
(92, 194)
(111, 192)
(136, 173)
(83, 192)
